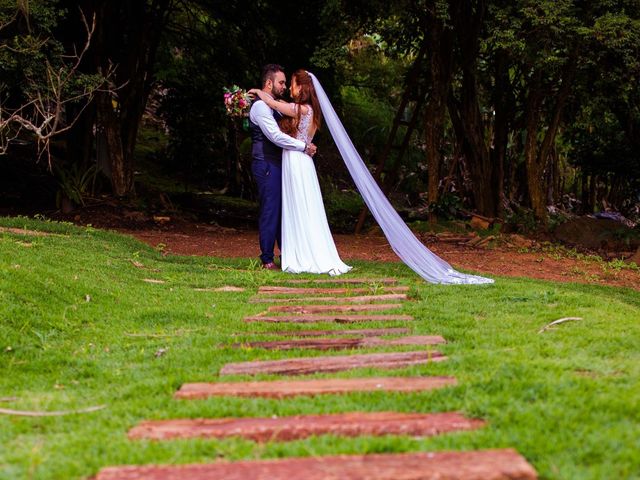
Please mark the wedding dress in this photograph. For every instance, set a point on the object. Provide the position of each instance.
(402, 240)
(307, 244)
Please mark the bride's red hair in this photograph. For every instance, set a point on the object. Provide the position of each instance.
(306, 96)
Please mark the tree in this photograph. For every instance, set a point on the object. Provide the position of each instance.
(547, 47)
(45, 86)
(127, 39)
(606, 110)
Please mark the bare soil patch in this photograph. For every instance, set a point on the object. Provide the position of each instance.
(487, 257)
(23, 231)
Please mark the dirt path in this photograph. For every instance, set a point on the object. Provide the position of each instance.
(221, 242)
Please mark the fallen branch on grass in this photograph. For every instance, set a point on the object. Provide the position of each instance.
(559, 321)
(26, 413)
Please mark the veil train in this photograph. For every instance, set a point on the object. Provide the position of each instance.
(402, 240)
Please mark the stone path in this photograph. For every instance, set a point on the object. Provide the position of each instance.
(276, 290)
(291, 388)
(339, 318)
(364, 332)
(504, 464)
(359, 299)
(270, 429)
(298, 305)
(334, 363)
(345, 343)
(346, 280)
(304, 309)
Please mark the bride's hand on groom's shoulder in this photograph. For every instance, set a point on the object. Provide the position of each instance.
(255, 93)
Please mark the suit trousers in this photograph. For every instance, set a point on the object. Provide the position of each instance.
(268, 177)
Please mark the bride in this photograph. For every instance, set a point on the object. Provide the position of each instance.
(307, 244)
(306, 239)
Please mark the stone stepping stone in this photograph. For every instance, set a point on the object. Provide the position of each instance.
(275, 290)
(296, 427)
(504, 464)
(359, 299)
(291, 388)
(302, 366)
(338, 318)
(364, 332)
(345, 343)
(302, 309)
(340, 280)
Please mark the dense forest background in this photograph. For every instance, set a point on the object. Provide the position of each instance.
(526, 111)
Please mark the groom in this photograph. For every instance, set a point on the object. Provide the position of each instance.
(267, 144)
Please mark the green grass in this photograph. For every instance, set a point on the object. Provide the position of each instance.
(567, 399)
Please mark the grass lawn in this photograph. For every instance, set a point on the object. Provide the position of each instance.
(80, 327)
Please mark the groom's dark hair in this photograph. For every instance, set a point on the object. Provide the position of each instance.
(269, 72)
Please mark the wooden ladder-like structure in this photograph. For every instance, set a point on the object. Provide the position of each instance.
(413, 93)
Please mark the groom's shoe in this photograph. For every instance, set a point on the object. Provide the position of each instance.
(270, 266)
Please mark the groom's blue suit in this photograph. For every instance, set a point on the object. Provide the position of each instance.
(267, 143)
(266, 168)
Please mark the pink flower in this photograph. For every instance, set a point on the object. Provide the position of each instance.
(236, 101)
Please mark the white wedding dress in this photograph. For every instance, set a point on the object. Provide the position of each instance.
(307, 244)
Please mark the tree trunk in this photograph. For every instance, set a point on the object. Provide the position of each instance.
(440, 43)
(552, 176)
(593, 183)
(503, 103)
(635, 258)
(469, 127)
(147, 26)
(121, 167)
(534, 169)
(615, 198)
(587, 206)
(514, 181)
(537, 158)
(465, 112)
(127, 37)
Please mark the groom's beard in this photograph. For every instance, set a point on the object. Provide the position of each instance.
(276, 95)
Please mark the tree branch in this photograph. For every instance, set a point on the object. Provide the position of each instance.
(43, 114)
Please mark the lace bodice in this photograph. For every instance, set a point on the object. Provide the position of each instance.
(303, 126)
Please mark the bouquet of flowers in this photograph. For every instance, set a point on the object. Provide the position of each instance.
(237, 102)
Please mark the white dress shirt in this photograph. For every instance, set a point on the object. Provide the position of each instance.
(262, 115)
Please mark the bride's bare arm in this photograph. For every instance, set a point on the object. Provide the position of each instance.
(285, 108)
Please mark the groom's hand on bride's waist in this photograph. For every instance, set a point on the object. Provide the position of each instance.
(310, 149)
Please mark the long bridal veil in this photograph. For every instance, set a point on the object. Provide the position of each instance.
(403, 242)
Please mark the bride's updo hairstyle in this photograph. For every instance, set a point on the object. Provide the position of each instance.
(306, 96)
